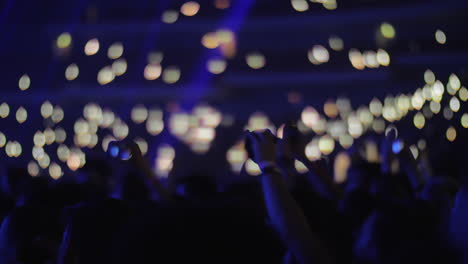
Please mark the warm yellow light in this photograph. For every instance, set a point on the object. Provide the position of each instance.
(318, 55)
(451, 134)
(346, 141)
(464, 121)
(24, 82)
(105, 75)
(419, 120)
(119, 67)
(255, 60)
(152, 71)
(375, 107)
(39, 139)
(216, 66)
(3, 140)
(300, 5)
(454, 104)
(387, 30)
(4, 110)
(33, 169)
(326, 144)
(370, 59)
(383, 58)
(91, 47)
(341, 166)
(115, 51)
(440, 37)
(335, 43)
(312, 150)
(55, 171)
(64, 40)
(356, 59)
(429, 77)
(72, 72)
(190, 8)
(21, 115)
(252, 168)
(210, 40)
(462, 93)
(171, 74)
(47, 109)
(139, 114)
(170, 16)
(454, 81)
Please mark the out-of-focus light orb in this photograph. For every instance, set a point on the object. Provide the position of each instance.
(341, 166)
(119, 67)
(190, 8)
(236, 156)
(318, 55)
(44, 161)
(312, 150)
(170, 16)
(310, 117)
(357, 59)
(93, 112)
(142, 145)
(336, 43)
(4, 110)
(435, 107)
(33, 169)
(105, 75)
(300, 167)
(450, 89)
(21, 115)
(462, 93)
(365, 116)
(383, 58)
(63, 152)
(440, 37)
(260, 121)
(39, 139)
(330, 4)
(3, 140)
(255, 60)
(451, 134)
(454, 104)
(154, 123)
(225, 35)
(326, 144)
(72, 72)
(422, 144)
(14, 149)
(49, 136)
(418, 120)
(73, 161)
(152, 71)
(57, 114)
(200, 147)
(120, 130)
(448, 113)
(216, 66)
(80, 126)
(355, 128)
(155, 57)
(163, 161)
(179, 124)
(47, 109)
(37, 152)
(64, 40)
(203, 134)
(429, 77)
(330, 109)
(171, 74)
(139, 114)
(417, 100)
(454, 81)
(427, 111)
(346, 141)
(370, 59)
(91, 47)
(414, 151)
(55, 171)
(464, 122)
(222, 4)
(387, 30)
(82, 140)
(375, 107)
(252, 168)
(210, 40)
(24, 82)
(378, 126)
(115, 51)
(300, 5)
(108, 118)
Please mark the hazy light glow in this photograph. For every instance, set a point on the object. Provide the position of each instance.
(4, 110)
(454, 104)
(216, 66)
(210, 40)
(300, 5)
(3, 140)
(335, 43)
(119, 67)
(115, 51)
(419, 120)
(451, 134)
(463, 121)
(190, 8)
(72, 72)
(440, 37)
(64, 40)
(170, 16)
(387, 30)
(139, 114)
(91, 47)
(171, 74)
(318, 55)
(105, 75)
(21, 115)
(255, 60)
(24, 82)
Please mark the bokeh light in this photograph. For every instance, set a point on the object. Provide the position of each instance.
(440, 37)
(72, 72)
(4, 110)
(115, 51)
(24, 82)
(255, 60)
(190, 8)
(171, 74)
(64, 40)
(91, 47)
(387, 30)
(21, 115)
(170, 16)
(105, 75)
(451, 134)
